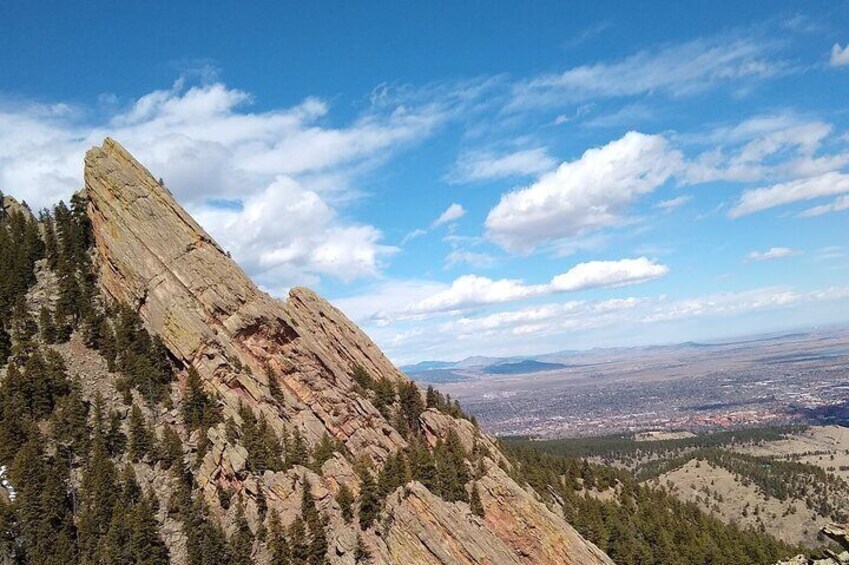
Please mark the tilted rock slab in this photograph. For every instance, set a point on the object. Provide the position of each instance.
(153, 256)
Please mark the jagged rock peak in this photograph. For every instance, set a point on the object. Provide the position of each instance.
(152, 255)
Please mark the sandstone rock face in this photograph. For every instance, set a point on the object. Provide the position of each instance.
(209, 314)
(153, 256)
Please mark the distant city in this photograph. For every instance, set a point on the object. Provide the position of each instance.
(774, 379)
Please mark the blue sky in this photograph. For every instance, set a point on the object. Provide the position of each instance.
(471, 178)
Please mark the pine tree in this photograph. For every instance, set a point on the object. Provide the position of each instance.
(316, 526)
(384, 397)
(98, 494)
(46, 326)
(432, 397)
(133, 535)
(106, 344)
(116, 441)
(242, 540)
(394, 473)
(43, 506)
(369, 497)
(141, 440)
(345, 499)
(278, 545)
(423, 466)
(362, 377)
(296, 450)
(298, 541)
(412, 405)
(323, 452)
(260, 441)
(170, 448)
(130, 491)
(451, 467)
(5, 345)
(70, 422)
(274, 385)
(206, 543)
(198, 408)
(51, 245)
(475, 503)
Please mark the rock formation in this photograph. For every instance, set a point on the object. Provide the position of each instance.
(9, 205)
(835, 532)
(153, 256)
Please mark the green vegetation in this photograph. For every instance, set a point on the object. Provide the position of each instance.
(623, 449)
(639, 523)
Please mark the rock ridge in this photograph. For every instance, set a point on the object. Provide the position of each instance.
(152, 255)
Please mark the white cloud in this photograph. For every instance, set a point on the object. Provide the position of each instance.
(738, 302)
(631, 320)
(415, 234)
(771, 254)
(760, 199)
(596, 274)
(673, 203)
(589, 193)
(472, 290)
(477, 166)
(770, 147)
(288, 229)
(538, 319)
(290, 173)
(839, 55)
(839, 204)
(676, 70)
(373, 304)
(451, 214)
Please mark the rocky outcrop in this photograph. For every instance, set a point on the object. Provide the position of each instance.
(153, 256)
(838, 534)
(9, 205)
(209, 314)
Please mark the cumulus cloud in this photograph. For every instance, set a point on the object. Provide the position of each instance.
(675, 70)
(476, 166)
(451, 214)
(759, 199)
(286, 173)
(771, 254)
(595, 274)
(474, 290)
(839, 55)
(589, 193)
(287, 229)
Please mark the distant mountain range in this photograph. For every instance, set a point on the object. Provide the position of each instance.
(478, 366)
